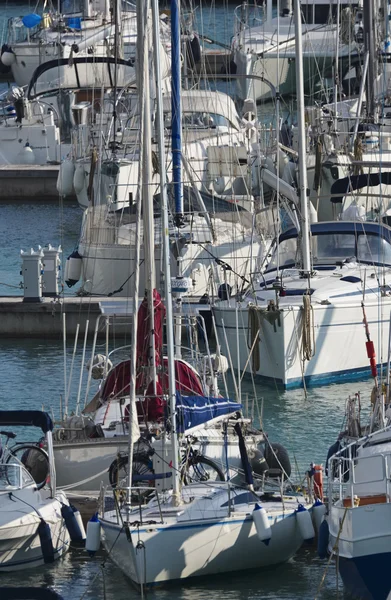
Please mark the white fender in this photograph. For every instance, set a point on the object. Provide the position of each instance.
(93, 535)
(26, 156)
(261, 523)
(8, 58)
(65, 178)
(79, 179)
(318, 511)
(80, 523)
(73, 268)
(304, 523)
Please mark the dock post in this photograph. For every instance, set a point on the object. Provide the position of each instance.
(32, 270)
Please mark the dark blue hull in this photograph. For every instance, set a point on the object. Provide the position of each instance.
(367, 577)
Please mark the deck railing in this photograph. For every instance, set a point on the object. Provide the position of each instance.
(355, 479)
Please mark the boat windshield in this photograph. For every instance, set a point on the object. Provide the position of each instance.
(14, 476)
(332, 248)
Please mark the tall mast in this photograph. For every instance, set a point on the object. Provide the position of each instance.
(166, 252)
(369, 45)
(176, 110)
(116, 50)
(303, 185)
(147, 195)
(136, 293)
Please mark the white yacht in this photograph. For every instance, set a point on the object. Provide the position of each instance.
(265, 48)
(293, 325)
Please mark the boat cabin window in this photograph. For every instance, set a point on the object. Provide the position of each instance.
(333, 248)
(14, 476)
(373, 249)
(71, 7)
(200, 120)
(285, 255)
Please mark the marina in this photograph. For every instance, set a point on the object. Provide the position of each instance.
(195, 318)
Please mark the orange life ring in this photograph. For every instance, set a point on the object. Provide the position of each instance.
(318, 481)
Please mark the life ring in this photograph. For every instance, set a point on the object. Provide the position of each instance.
(318, 481)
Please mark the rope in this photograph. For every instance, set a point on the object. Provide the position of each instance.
(17, 287)
(73, 485)
(308, 332)
(331, 555)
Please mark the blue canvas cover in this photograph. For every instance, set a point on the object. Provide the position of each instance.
(197, 410)
(37, 418)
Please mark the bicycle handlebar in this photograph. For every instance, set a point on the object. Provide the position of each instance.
(8, 434)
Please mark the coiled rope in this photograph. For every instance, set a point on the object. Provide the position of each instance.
(308, 331)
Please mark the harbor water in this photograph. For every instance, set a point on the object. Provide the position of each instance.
(32, 377)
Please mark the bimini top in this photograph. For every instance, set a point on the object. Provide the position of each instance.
(206, 102)
(87, 72)
(346, 185)
(35, 418)
(330, 227)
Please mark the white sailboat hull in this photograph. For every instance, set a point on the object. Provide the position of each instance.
(20, 545)
(339, 335)
(199, 548)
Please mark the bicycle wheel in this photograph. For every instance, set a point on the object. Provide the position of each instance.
(118, 473)
(200, 469)
(34, 459)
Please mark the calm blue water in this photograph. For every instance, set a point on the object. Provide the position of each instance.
(32, 377)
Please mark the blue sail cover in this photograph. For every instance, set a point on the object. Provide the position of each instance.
(197, 410)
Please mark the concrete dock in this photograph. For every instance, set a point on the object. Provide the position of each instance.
(19, 319)
(28, 182)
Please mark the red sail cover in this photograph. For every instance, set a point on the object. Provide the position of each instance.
(144, 339)
(117, 384)
(187, 380)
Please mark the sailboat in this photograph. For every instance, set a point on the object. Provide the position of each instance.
(67, 30)
(217, 209)
(350, 136)
(199, 529)
(267, 47)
